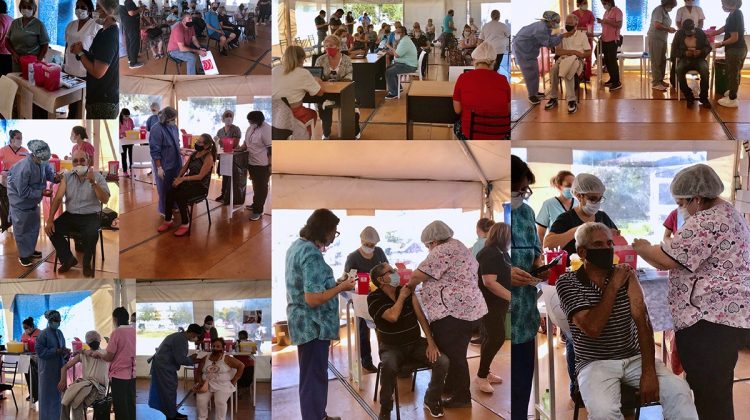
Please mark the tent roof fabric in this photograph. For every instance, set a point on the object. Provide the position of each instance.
(194, 290)
(245, 88)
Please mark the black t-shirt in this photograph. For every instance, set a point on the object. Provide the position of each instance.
(320, 20)
(570, 219)
(493, 261)
(400, 333)
(735, 23)
(363, 265)
(127, 20)
(104, 48)
(334, 21)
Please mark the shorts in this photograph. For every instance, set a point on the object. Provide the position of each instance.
(216, 35)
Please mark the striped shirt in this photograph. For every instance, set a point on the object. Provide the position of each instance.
(400, 333)
(618, 340)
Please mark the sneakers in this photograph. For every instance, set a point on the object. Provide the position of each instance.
(452, 402)
(551, 103)
(135, 66)
(255, 217)
(494, 379)
(328, 104)
(67, 265)
(182, 230)
(25, 261)
(219, 198)
(126, 174)
(88, 272)
(324, 137)
(705, 103)
(435, 408)
(608, 83)
(357, 136)
(165, 226)
(615, 87)
(389, 96)
(572, 107)
(729, 103)
(36, 254)
(476, 341)
(534, 100)
(369, 367)
(484, 385)
(659, 87)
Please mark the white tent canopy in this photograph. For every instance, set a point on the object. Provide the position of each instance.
(174, 88)
(390, 175)
(106, 295)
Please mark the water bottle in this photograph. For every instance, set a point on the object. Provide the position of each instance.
(546, 401)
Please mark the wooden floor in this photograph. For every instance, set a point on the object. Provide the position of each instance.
(228, 248)
(253, 57)
(565, 407)
(341, 401)
(635, 112)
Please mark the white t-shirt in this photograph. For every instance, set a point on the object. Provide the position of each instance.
(294, 85)
(258, 141)
(497, 34)
(86, 37)
(578, 42)
(696, 15)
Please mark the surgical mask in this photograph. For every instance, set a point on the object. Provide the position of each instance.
(567, 193)
(466, 34)
(199, 147)
(27, 331)
(94, 345)
(395, 279)
(515, 202)
(27, 13)
(332, 51)
(600, 257)
(81, 170)
(417, 34)
(82, 13)
(591, 208)
(683, 212)
(98, 18)
(253, 126)
(54, 325)
(228, 120)
(368, 249)
(607, 6)
(214, 351)
(570, 28)
(72, 138)
(397, 37)
(17, 143)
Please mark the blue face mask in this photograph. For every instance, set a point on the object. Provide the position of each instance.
(567, 193)
(395, 280)
(54, 325)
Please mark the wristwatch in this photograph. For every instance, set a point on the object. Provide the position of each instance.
(79, 55)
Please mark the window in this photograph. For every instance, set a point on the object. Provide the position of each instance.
(260, 103)
(155, 321)
(228, 317)
(199, 115)
(71, 305)
(139, 106)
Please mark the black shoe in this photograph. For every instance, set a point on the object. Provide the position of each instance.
(534, 100)
(67, 265)
(180, 416)
(572, 107)
(219, 198)
(476, 341)
(369, 367)
(705, 103)
(25, 261)
(385, 414)
(452, 402)
(615, 87)
(389, 96)
(608, 83)
(224, 52)
(36, 254)
(435, 408)
(690, 101)
(552, 103)
(88, 272)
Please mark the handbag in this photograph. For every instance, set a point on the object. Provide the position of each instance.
(102, 407)
(107, 216)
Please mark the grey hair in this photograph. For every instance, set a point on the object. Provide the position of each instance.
(93, 336)
(584, 232)
(574, 17)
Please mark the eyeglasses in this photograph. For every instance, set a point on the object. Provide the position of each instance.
(82, 160)
(595, 199)
(525, 193)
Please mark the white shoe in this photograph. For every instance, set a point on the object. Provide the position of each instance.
(324, 137)
(327, 104)
(660, 87)
(729, 103)
(484, 385)
(726, 93)
(494, 379)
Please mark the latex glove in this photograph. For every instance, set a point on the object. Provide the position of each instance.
(160, 172)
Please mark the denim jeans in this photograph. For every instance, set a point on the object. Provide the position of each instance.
(187, 57)
(391, 76)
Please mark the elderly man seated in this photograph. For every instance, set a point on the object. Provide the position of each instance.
(397, 317)
(571, 54)
(84, 190)
(691, 47)
(91, 386)
(612, 334)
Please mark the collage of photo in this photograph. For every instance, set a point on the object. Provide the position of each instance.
(485, 209)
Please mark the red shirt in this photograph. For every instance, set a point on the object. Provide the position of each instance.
(585, 18)
(485, 92)
(180, 33)
(671, 222)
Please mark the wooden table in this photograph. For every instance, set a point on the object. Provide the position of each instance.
(429, 102)
(343, 94)
(369, 75)
(49, 101)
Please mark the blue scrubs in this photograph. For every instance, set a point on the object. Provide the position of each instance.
(172, 354)
(164, 142)
(50, 363)
(26, 182)
(526, 45)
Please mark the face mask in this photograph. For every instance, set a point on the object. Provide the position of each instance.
(228, 120)
(214, 351)
(570, 28)
(683, 213)
(17, 143)
(54, 325)
(601, 258)
(591, 208)
(515, 202)
(567, 193)
(395, 279)
(417, 34)
(199, 147)
(27, 13)
(82, 13)
(466, 34)
(27, 331)
(332, 51)
(584, 6)
(397, 37)
(367, 249)
(81, 170)
(207, 327)
(72, 139)
(189, 24)
(94, 345)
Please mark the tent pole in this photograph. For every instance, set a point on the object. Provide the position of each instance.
(109, 137)
(117, 297)
(486, 186)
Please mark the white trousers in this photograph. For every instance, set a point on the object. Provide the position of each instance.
(220, 404)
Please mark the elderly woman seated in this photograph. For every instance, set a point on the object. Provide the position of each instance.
(91, 386)
(481, 98)
(214, 378)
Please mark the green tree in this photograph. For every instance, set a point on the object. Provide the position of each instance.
(182, 315)
(148, 312)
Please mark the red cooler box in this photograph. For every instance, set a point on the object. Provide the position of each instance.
(405, 276)
(77, 345)
(24, 61)
(625, 252)
(558, 269)
(227, 144)
(363, 283)
(47, 76)
(143, 132)
(55, 162)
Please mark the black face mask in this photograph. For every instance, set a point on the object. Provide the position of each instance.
(600, 257)
(199, 147)
(570, 28)
(94, 345)
(189, 24)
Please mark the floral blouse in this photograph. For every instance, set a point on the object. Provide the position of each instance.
(713, 280)
(453, 289)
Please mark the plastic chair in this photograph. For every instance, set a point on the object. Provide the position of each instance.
(10, 369)
(498, 126)
(141, 160)
(77, 237)
(406, 77)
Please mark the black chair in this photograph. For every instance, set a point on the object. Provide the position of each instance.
(9, 369)
(490, 125)
(178, 63)
(191, 203)
(76, 236)
(413, 369)
(630, 400)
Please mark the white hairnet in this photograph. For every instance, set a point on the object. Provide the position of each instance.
(697, 181)
(93, 336)
(484, 53)
(369, 235)
(587, 183)
(436, 231)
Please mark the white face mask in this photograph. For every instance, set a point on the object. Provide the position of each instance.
(228, 121)
(16, 143)
(684, 214)
(367, 249)
(515, 202)
(82, 13)
(253, 126)
(591, 208)
(27, 13)
(99, 20)
(396, 37)
(72, 138)
(81, 170)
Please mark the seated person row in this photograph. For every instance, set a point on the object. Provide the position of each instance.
(152, 32)
(215, 30)
(404, 61)
(183, 45)
(569, 64)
